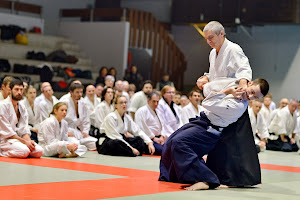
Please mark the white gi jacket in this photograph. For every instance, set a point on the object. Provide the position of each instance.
(83, 122)
(39, 98)
(231, 62)
(1, 96)
(114, 126)
(101, 111)
(53, 137)
(189, 111)
(138, 100)
(266, 113)
(258, 126)
(91, 108)
(283, 123)
(170, 123)
(65, 97)
(34, 115)
(148, 121)
(46, 107)
(9, 126)
(219, 108)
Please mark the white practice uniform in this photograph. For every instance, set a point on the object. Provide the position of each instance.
(283, 123)
(34, 115)
(148, 121)
(170, 122)
(266, 113)
(258, 126)
(114, 126)
(101, 111)
(231, 62)
(189, 111)
(219, 108)
(91, 108)
(53, 137)
(46, 107)
(10, 126)
(81, 124)
(1, 96)
(39, 98)
(138, 100)
(65, 97)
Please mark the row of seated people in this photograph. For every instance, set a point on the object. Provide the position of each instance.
(80, 115)
(275, 129)
(153, 120)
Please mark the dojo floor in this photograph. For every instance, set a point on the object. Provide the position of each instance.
(106, 177)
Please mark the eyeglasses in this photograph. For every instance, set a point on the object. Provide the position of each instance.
(170, 92)
(123, 102)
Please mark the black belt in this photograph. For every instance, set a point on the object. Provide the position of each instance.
(204, 118)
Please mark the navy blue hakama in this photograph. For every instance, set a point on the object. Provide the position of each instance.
(181, 159)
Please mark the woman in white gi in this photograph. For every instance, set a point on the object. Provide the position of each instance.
(34, 117)
(168, 112)
(53, 136)
(91, 101)
(118, 142)
(105, 107)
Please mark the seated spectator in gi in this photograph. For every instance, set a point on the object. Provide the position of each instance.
(297, 132)
(182, 156)
(5, 90)
(282, 126)
(119, 128)
(184, 101)
(139, 99)
(193, 109)
(66, 96)
(109, 81)
(91, 101)
(120, 86)
(47, 103)
(177, 97)
(33, 110)
(266, 111)
(259, 128)
(146, 118)
(14, 131)
(53, 136)
(98, 90)
(168, 112)
(102, 74)
(283, 102)
(163, 82)
(105, 107)
(78, 118)
(39, 98)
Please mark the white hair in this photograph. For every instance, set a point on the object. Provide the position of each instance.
(109, 77)
(215, 27)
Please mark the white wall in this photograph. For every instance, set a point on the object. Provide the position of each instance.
(273, 52)
(50, 12)
(106, 43)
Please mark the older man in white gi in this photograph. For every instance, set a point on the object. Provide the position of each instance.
(91, 101)
(78, 118)
(14, 131)
(46, 104)
(146, 118)
(283, 125)
(259, 127)
(193, 109)
(139, 99)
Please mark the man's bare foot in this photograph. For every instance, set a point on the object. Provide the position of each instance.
(198, 186)
(223, 186)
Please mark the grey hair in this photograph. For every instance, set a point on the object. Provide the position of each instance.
(293, 101)
(215, 27)
(109, 77)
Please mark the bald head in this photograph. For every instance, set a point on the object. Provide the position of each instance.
(90, 91)
(119, 85)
